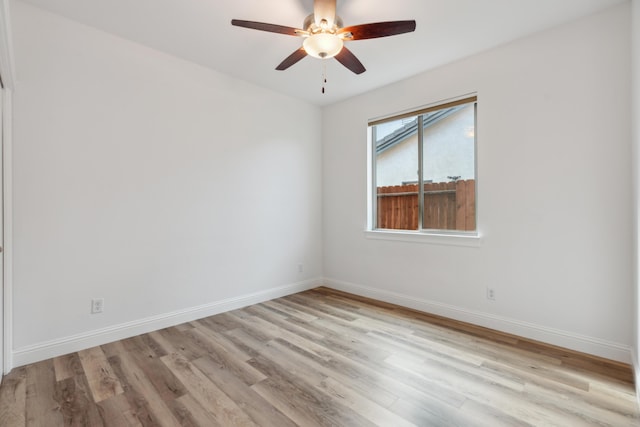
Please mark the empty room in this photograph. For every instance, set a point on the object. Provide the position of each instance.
(320, 212)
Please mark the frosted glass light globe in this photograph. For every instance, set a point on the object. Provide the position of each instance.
(323, 45)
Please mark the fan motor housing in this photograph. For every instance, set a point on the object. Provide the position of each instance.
(309, 24)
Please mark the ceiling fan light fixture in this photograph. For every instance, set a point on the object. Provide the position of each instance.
(323, 45)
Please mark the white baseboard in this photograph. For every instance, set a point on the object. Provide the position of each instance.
(70, 344)
(569, 340)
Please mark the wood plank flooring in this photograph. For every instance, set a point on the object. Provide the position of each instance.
(321, 358)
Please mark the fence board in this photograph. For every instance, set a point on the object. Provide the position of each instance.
(398, 207)
(471, 206)
(461, 205)
(447, 206)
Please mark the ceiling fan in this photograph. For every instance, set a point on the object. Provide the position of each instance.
(324, 35)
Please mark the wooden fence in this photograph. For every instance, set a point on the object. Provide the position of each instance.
(447, 206)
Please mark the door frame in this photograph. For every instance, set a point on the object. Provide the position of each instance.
(6, 297)
(7, 73)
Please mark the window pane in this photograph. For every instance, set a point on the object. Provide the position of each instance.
(396, 173)
(448, 169)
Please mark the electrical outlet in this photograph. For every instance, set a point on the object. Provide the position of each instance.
(491, 294)
(97, 305)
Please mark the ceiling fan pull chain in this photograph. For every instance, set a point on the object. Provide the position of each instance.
(324, 75)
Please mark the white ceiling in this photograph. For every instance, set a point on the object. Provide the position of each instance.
(200, 31)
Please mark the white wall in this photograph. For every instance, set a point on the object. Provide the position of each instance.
(553, 181)
(167, 189)
(635, 122)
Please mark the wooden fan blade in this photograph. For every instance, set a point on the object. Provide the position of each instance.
(272, 28)
(324, 9)
(378, 29)
(349, 60)
(292, 59)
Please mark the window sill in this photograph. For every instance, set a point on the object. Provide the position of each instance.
(467, 239)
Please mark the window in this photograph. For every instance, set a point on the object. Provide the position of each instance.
(424, 169)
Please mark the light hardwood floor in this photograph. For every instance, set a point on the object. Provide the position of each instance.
(321, 358)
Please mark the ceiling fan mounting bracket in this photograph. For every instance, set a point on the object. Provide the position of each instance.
(310, 26)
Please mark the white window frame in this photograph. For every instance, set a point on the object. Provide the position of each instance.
(429, 236)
